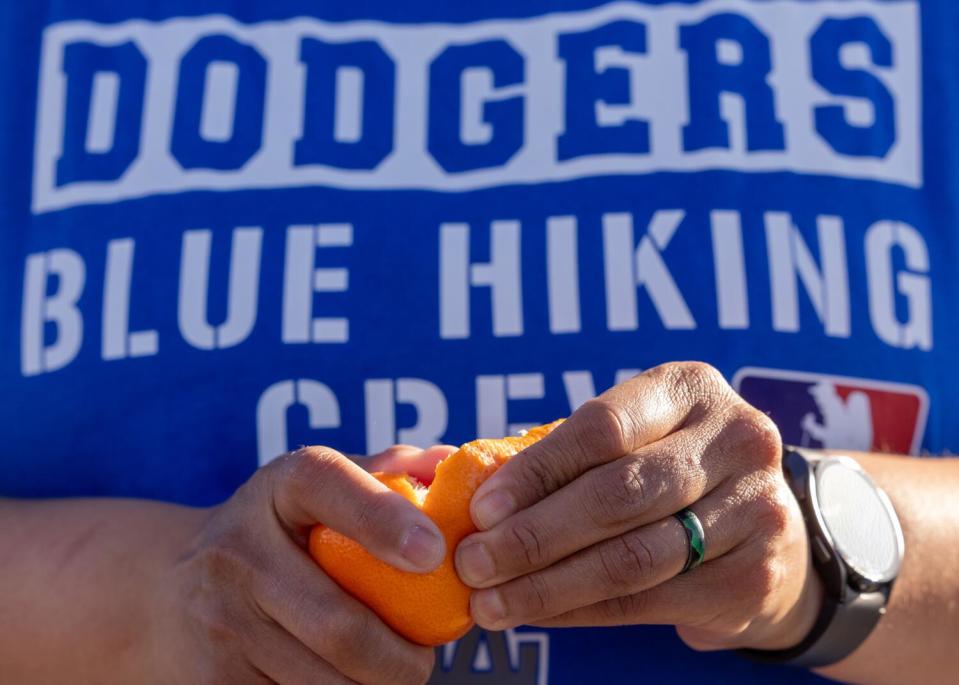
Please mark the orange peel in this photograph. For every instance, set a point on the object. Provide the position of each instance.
(426, 608)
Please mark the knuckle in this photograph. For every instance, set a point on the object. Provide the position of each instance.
(536, 595)
(538, 477)
(701, 382)
(767, 440)
(771, 513)
(529, 542)
(705, 374)
(626, 562)
(735, 635)
(607, 426)
(223, 563)
(762, 581)
(755, 435)
(308, 468)
(703, 639)
(624, 489)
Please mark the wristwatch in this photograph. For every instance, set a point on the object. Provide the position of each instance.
(857, 549)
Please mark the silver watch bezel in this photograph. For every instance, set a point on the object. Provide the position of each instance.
(852, 604)
(862, 578)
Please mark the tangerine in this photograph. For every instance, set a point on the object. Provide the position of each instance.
(426, 608)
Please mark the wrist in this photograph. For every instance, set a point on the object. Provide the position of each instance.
(805, 612)
(164, 619)
(798, 619)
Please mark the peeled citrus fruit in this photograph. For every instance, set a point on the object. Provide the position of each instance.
(427, 608)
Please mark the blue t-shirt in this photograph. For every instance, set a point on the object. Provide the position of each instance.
(233, 227)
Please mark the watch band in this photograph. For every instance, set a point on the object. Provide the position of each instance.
(849, 613)
(834, 636)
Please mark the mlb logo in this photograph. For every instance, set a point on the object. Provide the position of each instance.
(836, 412)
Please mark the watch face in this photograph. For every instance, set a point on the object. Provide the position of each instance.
(860, 520)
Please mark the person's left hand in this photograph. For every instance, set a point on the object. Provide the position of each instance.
(579, 529)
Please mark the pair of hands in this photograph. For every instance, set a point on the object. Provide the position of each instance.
(576, 531)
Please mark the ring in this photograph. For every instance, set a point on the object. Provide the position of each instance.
(695, 536)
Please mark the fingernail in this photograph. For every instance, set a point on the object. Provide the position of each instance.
(474, 563)
(423, 548)
(488, 607)
(493, 507)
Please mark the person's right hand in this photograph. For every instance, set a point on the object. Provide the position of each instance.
(246, 604)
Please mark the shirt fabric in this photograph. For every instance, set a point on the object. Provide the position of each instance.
(230, 228)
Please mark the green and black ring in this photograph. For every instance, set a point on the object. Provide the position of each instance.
(695, 536)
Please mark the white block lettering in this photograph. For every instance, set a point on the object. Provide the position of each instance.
(302, 279)
(789, 258)
(60, 308)
(118, 340)
(628, 266)
(322, 407)
(732, 301)
(381, 399)
(103, 112)
(884, 286)
(502, 275)
(563, 273)
(242, 294)
(492, 396)
(348, 114)
(219, 101)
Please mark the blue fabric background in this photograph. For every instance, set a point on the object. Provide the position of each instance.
(179, 426)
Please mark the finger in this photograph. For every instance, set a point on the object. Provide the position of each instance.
(423, 468)
(650, 484)
(319, 485)
(624, 418)
(419, 463)
(286, 661)
(388, 459)
(696, 597)
(638, 560)
(313, 609)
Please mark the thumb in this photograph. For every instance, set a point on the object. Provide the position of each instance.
(318, 485)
